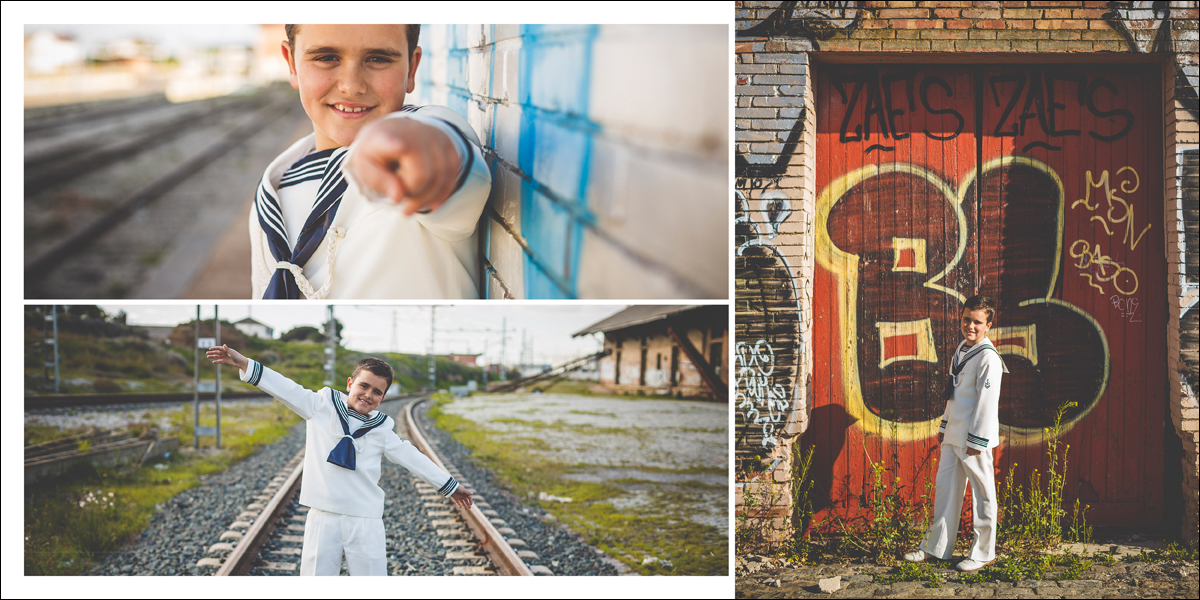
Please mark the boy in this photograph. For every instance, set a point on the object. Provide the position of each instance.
(382, 201)
(345, 438)
(970, 429)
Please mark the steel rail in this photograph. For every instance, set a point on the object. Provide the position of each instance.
(243, 557)
(499, 552)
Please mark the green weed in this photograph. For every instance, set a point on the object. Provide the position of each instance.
(911, 571)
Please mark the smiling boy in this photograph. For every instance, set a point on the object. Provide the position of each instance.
(345, 439)
(969, 430)
(382, 200)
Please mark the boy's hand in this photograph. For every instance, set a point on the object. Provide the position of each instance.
(941, 437)
(406, 161)
(462, 497)
(972, 452)
(224, 355)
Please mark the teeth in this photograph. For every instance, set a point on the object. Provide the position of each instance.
(344, 108)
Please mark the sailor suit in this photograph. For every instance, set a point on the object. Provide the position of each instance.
(346, 504)
(971, 421)
(340, 244)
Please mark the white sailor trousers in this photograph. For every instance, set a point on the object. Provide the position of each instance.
(328, 535)
(955, 469)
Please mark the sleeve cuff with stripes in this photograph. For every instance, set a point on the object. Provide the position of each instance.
(449, 487)
(977, 442)
(253, 372)
(942, 427)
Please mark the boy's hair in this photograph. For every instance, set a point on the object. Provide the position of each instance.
(412, 32)
(376, 366)
(982, 303)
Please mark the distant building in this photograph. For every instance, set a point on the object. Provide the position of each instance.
(253, 328)
(464, 359)
(47, 52)
(680, 351)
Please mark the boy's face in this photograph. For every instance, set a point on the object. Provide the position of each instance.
(365, 391)
(975, 325)
(350, 75)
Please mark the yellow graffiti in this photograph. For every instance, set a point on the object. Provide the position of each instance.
(1126, 216)
(1004, 338)
(1088, 257)
(922, 329)
(843, 266)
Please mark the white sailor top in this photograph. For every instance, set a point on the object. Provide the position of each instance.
(371, 249)
(972, 417)
(334, 488)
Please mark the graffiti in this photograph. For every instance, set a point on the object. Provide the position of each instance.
(884, 102)
(763, 174)
(813, 21)
(892, 351)
(1103, 269)
(1188, 215)
(761, 401)
(1127, 307)
(1147, 28)
(1108, 218)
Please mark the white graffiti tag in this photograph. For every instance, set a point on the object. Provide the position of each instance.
(761, 401)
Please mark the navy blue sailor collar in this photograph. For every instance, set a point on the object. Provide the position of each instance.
(345, 453)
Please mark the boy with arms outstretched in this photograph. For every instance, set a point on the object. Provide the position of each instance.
(382, 200)
(969, 430)
(346, 437)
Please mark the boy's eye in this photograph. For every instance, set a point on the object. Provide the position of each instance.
(379, 59)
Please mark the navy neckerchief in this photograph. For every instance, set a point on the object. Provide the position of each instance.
(344, 454)
(957, 366)
(270, 219)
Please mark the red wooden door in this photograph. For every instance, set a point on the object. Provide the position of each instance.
(1033, 185)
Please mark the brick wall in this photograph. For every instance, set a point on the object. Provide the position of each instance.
(777, 43)
(609, 154)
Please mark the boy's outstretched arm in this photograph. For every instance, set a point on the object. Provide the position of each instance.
(406, 455)
(428, 163)
(462, 497)
(302, 401)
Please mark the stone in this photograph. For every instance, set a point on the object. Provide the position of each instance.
(541, 570)
(830, 585)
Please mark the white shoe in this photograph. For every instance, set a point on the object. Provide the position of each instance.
(971, 564)
(918, 556)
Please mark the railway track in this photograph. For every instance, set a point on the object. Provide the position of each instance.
(266, 537)
(117, 197)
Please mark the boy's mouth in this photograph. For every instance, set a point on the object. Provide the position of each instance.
(351, 111)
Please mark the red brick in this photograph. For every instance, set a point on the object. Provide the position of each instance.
(1019, 24)
(997, 24)
(1189, 13)
(1057, 13)
(743, 80)
(1053, 3)
(1098, 24)
(875, 34)
(981, 13)
(744, 47)
(1064, 35)
(1012, 4)
(1051, 46)
(869, 46)
(958, 24)
(988, 4)
(940, 4)
(1022, 13)
(947, 13)
(1088, 13)
(944, 34)
(916, 24)
(981, 46)
(1062, 24)
(839, 45)
(905, 45)
(903, 13)
(1021, 34)
(875, 4)
(902, 4)
(874, 24)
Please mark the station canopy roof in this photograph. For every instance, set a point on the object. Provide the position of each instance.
(636, 315)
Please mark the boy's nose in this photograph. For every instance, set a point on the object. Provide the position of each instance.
(352, 82)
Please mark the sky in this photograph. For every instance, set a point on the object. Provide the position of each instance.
(460, 329)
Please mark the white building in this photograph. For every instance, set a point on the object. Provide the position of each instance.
(253, 328)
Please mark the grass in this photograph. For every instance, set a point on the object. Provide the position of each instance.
(682, 547)
(72, 522)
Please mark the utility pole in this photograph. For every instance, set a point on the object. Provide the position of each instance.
(196, 382)
(50, 348)
(330, 346)
(395, 347)
(217, 326)
(503, 346)
(432, 356)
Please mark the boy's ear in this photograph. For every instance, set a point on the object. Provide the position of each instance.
(349, 380)
(412, 70)
(287, 55)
